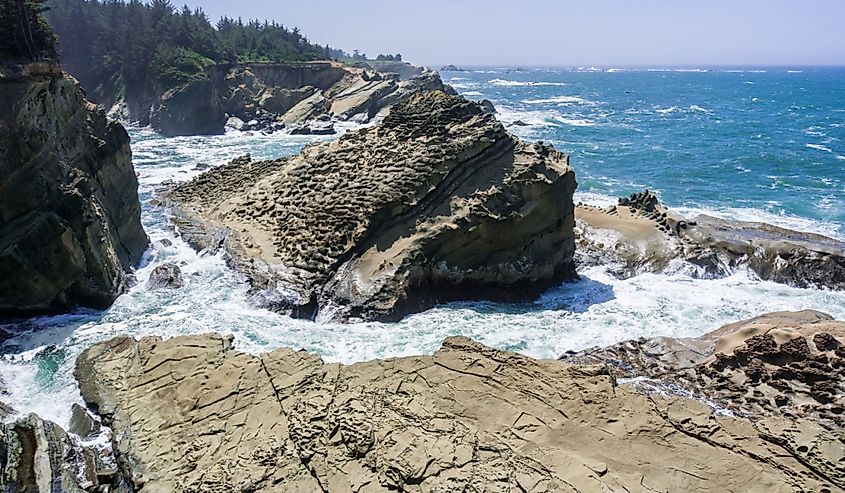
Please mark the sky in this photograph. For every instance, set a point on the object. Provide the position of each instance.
(566, 33)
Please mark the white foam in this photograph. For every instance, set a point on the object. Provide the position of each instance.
(519, 83)
(818, 147)
(560, 100)
(472, 93)
(575, 122)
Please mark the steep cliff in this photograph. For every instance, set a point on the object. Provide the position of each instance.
(436, 203)
(70, 224)
(272, 95)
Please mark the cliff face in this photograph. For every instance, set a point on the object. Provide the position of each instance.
(69, 212)
(192, 414)
(271, 96)
(436, 203)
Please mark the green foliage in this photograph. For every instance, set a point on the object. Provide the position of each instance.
(24, 34)
(389, 58)
(171, 67)
(144, 48)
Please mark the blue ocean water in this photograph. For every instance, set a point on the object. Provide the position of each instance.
(758, 144)
(761, 144)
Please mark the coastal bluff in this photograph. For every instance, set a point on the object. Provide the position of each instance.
(70, 222)
(435, 203)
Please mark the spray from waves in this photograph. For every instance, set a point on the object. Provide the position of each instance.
(519, 83)
(689, 109)
(575, 122)
(560, 100)
(818, 147)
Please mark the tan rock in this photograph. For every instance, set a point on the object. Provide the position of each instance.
(436, 203)
(191, 414)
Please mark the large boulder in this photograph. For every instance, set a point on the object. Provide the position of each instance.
(436, 203)
(70, 223)
(192, 414)
(194, 108)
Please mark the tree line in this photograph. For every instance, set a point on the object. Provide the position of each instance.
(141, 49)
(24, 33)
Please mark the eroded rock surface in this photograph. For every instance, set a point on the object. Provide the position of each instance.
(70, 224)
(436, 203)
(270, 97)
(640, 234)
(191, 414)
(779, 364)
(165, 276)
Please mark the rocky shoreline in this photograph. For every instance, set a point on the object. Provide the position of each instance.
(436, 203)
(741, 407)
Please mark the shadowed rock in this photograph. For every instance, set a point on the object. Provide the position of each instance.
(165, 276)
(436, 203)
(70, 224)
(192, 414)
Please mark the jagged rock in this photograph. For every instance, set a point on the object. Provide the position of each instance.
(165, 276)
(313, 128)
(38, 456)
(192, 414)
(70, 222)
(640, 234)
(451, 68)
(436, 203)
(289, 93)
(778, 364)
(83, 423)
(487, 106)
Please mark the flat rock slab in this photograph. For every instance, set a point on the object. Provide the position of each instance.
(192, 414)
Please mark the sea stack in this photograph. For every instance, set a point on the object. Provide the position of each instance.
(436, 203)
(70, 224)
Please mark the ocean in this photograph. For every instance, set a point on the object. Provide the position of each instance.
(765, 144)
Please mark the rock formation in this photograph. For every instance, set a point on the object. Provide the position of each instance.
(641, 234)
(780, 364)
(165, 276)
(69, 212)
(436, 203)
(191, 414)
(269, 97)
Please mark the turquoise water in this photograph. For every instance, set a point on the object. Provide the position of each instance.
(759, 143)
(698, 138)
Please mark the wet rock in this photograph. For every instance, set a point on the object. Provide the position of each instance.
(313, 128)
(165, 276)
(436, 203)
(193, 414)
(82, 422)
(70, 219)
(487, 106)
(165, 242)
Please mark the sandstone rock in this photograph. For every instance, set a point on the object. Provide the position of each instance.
(778, 364)
(70, 223)
(288, 93)
(436, 203)
(165, 276)
(38, 456)
(191, 414)
(640, 234)
(82, 423)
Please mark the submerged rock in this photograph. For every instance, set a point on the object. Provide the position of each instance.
(193, 414)
(70, 223)
(640, 234)
(436, 203)
(165, 276)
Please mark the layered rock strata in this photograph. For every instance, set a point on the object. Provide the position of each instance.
(70, 225)
(640, 234)
(436, 203)
(270, 97)
(191, 414)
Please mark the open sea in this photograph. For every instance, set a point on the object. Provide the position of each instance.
(765, 144)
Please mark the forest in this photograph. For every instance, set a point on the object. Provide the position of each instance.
(140, 49)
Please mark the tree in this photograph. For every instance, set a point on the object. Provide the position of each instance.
(25, 34)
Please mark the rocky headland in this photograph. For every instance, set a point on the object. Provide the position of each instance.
(70, 224)
(436, 203)
(640, 234)
(193, 414)
(303, 98)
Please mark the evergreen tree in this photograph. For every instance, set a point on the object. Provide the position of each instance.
(25, 35)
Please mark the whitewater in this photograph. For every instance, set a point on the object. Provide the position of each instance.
(696, 137)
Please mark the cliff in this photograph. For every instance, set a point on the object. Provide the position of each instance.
(271, 96)
(193, 414)
(436, 203)
(70, 225)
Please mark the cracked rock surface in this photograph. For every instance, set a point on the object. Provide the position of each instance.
(436, 203)
(191, 414)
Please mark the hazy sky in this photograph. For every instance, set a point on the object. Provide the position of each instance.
(579, 32)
